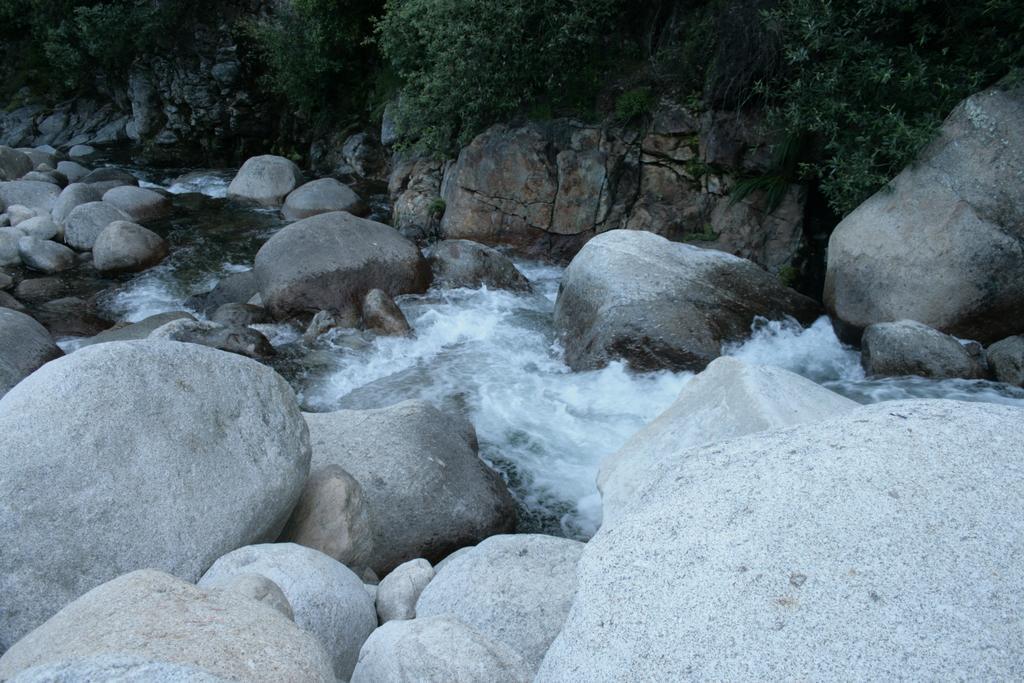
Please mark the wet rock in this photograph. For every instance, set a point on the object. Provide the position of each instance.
(141, 204)
(941, 244)
(331, 261)
(907, 347)
(159, 618)
(40, 156)
(233, 315)
(322, 323)
(8, 301)
(71, 316)
(6, 281)
(169, 455)
(728, 399)
(126, 247)
(265, 180)
(398, 592)
(437, 650)
(71, 196)
(244, 341)
(332, 517)
(327, 598)
(72, 170)
(382, 315)
(462, 263)
(30, 193)
(134, 331)
(109, 177)
(86, 221)
(1006, 358)
(45, 256)
(25, 346)
(415, 189)
(233, 288)
(427, 490)
(322, 196)
(39, 289)
(13, 164)
(513, 589)
(791, 553)
(662, 305)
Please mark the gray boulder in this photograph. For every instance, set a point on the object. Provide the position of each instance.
(851, 548)
(42, 227)
(13, 164)
(322, 196)
(47, 177)
(231, 315)
(30, 193)
(168, 456)
(71, 196)
(72, 170)
(17, 214)
(45, 256)
(109, 177)
(382, 315)
(328, 599)
(941, 243)
(1006, 358)
(437, 649)
(265, 180)
(907, 347)
(159, 618)
(24, 346)
(81, 151)
(399, 590)
(8, 301)
(114, 668)
(514, 589)
(331, 261)
(141, 204)
(9, 238)
(86, 221)
(133, 331)
(71, 316)
(256, 587)
(727, 400)
(40, 156)
(427, 490)
(126, 247)
(244, 341)
(463, 263)
(657, 304)
(332, 517)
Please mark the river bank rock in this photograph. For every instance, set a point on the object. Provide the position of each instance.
(25, 346)
(382, 315)
(243, 341)
(72, 170)
(427, 490)
(462, 263)
(438, 649)
(331, 261)
(1006, 359)
(13, 164)
(825, 549)
(71, 196)
(728, 399)
(265, 180)
(41, 227)
(159, 618)
(907, 347)
(86, 221)
(657, 304)
(30, 193)
(169, 455)
(942, 243)
(398, 592)
(233, 288)
(322, 196)
(45, 256)
(141, 204)
(515, 589)
(135, 331)
(126, 247)
(327, 598)
(71, 316)
(232, 315)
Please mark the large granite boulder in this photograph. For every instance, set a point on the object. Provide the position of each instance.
(126, 247)
(322, 196)
(71, 196)
(167, 456)
(331, 261)
(134, 331)
(907, 347)
(156, 618)
(399, 591)
(140, 203)
(45, 256)
(941, 244)
(657, 304)
(514, 589)
(427, 491)
(265, 180)
(24, 346)
(31, 193)
(1006, 358)
(13, 163)
(438, 649)
(728, 399)
(462, 263)
(86, 221)
(326, 597)
(880, 544)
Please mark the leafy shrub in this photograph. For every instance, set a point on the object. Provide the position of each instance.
(633, 104)
(465, 64)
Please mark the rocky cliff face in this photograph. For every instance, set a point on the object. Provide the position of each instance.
(546, 188)
(198, 101)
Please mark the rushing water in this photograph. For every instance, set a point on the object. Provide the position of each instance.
(489, 353)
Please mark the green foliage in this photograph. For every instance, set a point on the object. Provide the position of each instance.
(634, 104)
(871, 80)
(775, 184)
(465, 64)
(316, 54)
(436, 208)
